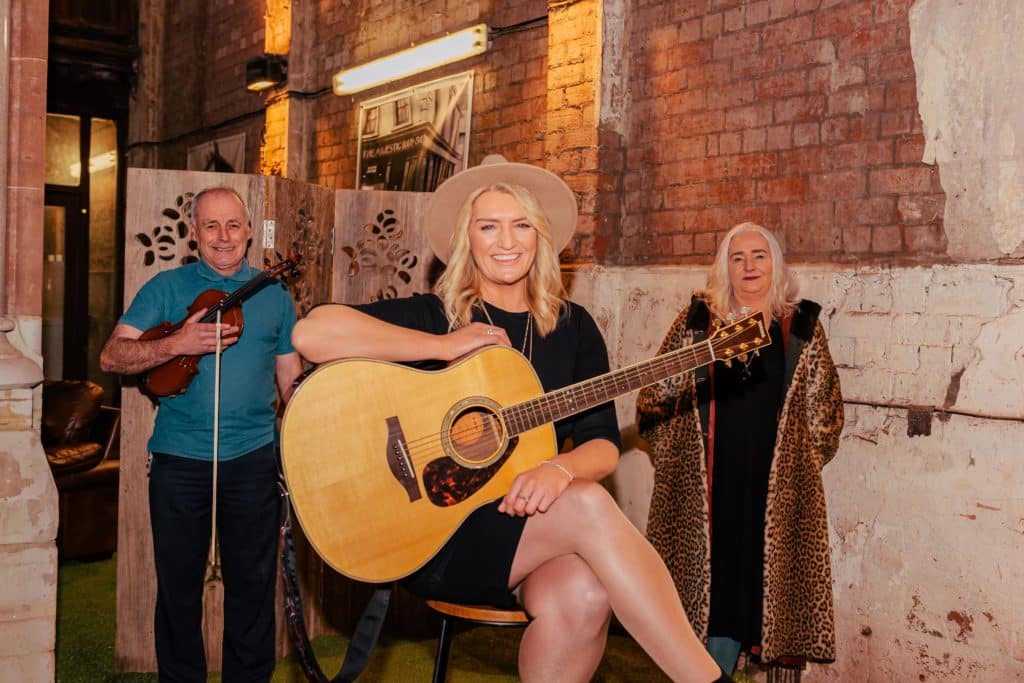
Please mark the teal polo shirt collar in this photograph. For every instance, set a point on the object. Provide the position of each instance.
(244, 273)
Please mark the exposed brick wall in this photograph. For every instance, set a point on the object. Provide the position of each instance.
(206, 46)
(798, 114)
(510, 89)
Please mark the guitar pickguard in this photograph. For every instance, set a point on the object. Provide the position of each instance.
(449, 483)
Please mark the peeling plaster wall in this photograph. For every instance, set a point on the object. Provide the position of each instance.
(970, 90)
(927, 531)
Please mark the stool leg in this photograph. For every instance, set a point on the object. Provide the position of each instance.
(444, 643)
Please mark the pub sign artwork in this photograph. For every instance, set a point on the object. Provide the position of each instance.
(415, 138)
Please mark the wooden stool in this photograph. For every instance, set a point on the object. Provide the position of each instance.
(452, 612)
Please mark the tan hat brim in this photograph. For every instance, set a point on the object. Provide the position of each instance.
(555, 198)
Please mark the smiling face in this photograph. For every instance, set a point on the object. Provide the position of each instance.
(502, 240)
(221, 230)
(750, 269)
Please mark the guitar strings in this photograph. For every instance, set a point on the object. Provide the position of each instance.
(432, 445)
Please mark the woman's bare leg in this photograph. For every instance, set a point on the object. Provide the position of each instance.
(586, 521)
(565, 640)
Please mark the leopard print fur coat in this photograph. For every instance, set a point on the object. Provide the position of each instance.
(798, 612)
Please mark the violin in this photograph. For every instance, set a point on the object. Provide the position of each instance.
(174, 376)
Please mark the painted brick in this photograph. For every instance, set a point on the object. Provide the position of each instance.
(778, 137)
(754, 116)
(732, 95)
(891, 66)
(857, 100)
(907, 180)
(754, 140)
(856, 240)
(806, 134)
(873, 41)
(807, 53)
(800, 108)
(871, 211)
(926, 238)
(685, 196)
(837, 185)
(844, 20)
(901, 95)
(909, 150)
(785, 84)
(781, 9)
(871, 153)
(757, 13)
(730, 192)
(787, 32)
(886, 239)
(782, 190)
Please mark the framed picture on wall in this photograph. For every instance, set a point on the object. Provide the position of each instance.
(223, 155)
(417, 137)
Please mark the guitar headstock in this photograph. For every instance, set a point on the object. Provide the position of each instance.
(740, 338)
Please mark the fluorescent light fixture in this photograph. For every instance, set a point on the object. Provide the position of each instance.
(451, 48)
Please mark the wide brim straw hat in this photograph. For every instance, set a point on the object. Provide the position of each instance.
(555, 198)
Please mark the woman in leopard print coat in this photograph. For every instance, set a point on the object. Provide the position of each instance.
(776, 421)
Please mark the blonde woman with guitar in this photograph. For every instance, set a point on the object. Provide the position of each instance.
(554, 541)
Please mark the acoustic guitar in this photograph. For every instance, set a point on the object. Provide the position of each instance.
(384, 462)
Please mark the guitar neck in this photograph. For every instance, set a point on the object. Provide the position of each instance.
(581, 396)
(236, 297)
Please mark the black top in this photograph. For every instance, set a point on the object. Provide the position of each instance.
(474, 566)
(747, 404)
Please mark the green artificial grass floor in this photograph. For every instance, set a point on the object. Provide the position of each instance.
(85, 645)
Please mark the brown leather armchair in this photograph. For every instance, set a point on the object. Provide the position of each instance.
(80, 437)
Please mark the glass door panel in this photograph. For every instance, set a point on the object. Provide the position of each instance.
(54, 223)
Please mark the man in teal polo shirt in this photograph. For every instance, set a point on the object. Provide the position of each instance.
(258, 365)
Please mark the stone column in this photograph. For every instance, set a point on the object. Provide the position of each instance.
(28, 497)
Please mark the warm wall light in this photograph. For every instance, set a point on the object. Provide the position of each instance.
(265, 71)
(438, 52)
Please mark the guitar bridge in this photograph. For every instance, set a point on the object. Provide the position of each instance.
(399, 461)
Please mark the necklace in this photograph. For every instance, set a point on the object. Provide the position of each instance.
(527, 348)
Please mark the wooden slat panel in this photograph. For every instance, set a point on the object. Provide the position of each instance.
(379, 250)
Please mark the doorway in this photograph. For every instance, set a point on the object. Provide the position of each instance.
(82, 268)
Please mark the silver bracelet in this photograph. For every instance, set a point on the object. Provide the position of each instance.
(561, 467)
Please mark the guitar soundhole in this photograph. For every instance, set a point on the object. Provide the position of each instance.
(476, 436)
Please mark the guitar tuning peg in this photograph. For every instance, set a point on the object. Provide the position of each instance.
(727, 362)
(743, 357)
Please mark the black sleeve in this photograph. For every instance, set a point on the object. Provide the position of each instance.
(590, 359)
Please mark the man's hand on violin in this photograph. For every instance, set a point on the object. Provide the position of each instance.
(196, 339)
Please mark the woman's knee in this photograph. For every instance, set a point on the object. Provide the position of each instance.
(589, 501)
(567, 590)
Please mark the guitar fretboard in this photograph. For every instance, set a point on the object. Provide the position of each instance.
(581, 396)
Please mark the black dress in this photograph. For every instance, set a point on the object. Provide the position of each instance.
(747, 404)
(474, 566)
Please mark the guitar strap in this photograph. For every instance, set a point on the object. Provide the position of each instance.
(366, 633)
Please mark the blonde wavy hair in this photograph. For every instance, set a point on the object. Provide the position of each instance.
(782, 294)
(459, 285)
